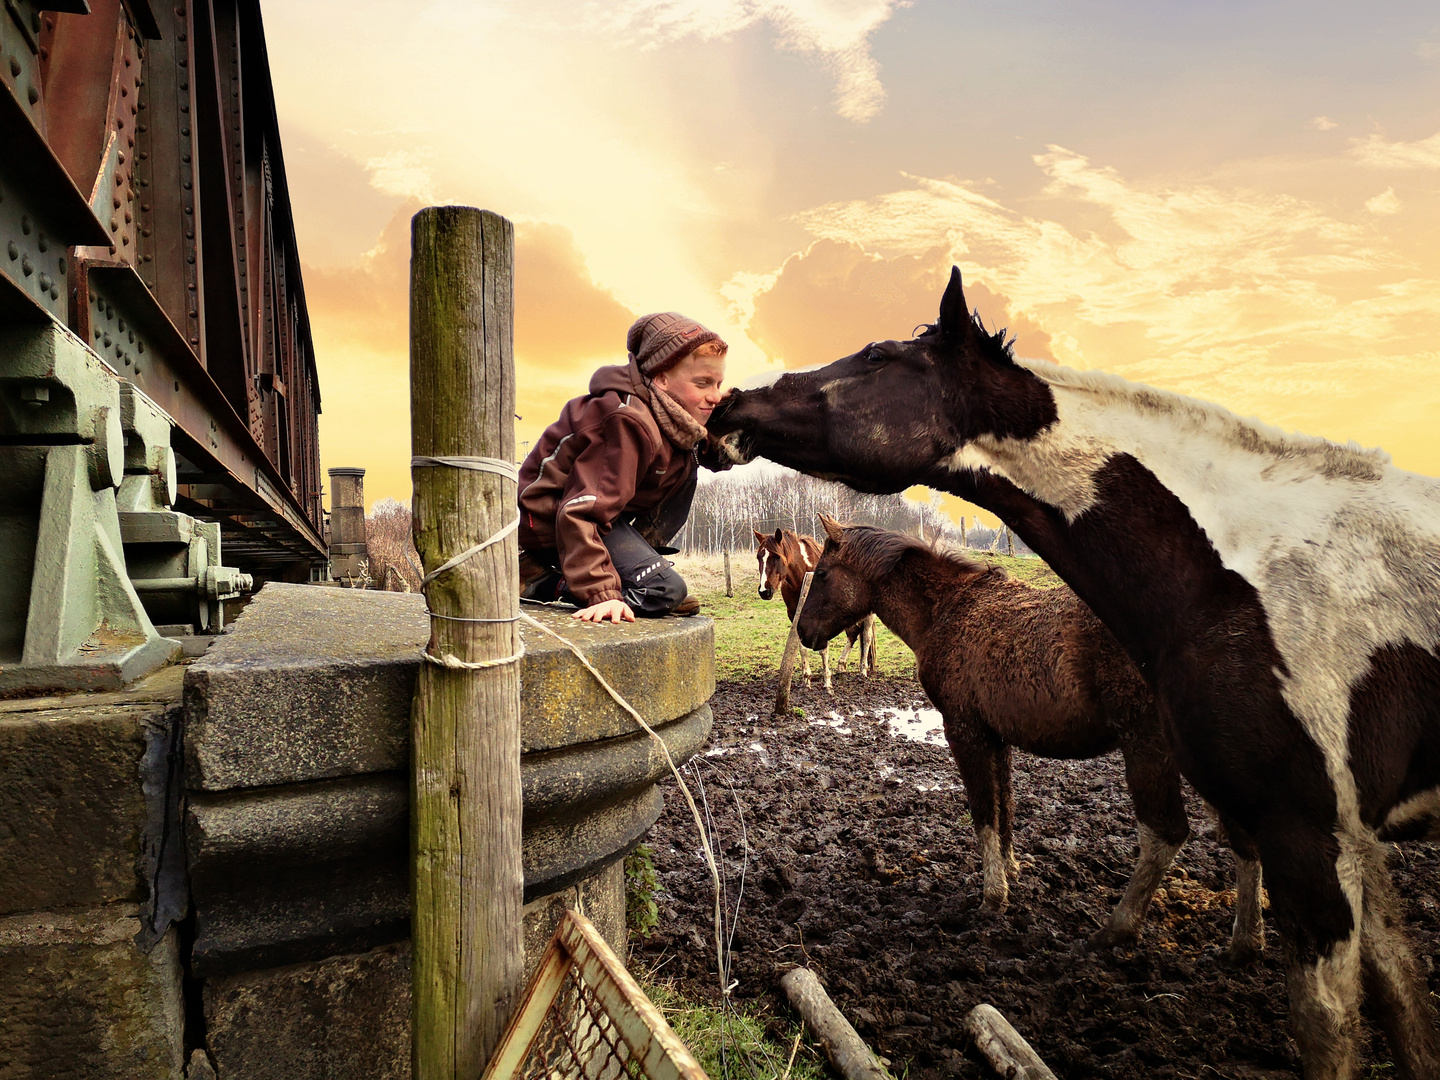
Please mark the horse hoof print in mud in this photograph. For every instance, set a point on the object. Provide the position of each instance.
(1277, 592)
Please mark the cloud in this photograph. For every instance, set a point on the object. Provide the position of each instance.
(1323, 123)
(403, 173)
(831, 299)
(836, 31)
(1385, 203)
(1376, 152)
(1262, 301)
(565, 326)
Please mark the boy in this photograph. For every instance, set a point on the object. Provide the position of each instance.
(612, 480)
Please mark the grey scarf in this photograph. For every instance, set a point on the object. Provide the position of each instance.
(679, 426)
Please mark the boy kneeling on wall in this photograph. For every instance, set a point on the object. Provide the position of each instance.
(611, 482)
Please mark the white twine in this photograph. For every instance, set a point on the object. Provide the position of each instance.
(498, 466)
(509, 471)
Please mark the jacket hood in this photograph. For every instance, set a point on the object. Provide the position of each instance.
(621, 378)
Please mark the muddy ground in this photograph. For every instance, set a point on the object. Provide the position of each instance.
(858, 860)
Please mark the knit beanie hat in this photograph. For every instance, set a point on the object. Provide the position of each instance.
(658, 342)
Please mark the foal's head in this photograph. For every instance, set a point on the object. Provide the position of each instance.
(850, 574)
(859, 564)
(771, 561)
(891, 414)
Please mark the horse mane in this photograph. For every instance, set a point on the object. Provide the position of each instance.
(875, 552)
(1253, 436)
(1003, 347)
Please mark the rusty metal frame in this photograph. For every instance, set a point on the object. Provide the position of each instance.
(147, 193)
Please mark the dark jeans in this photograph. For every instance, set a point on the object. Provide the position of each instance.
(648, 581)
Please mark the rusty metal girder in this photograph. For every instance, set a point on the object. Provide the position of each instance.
(142, 193)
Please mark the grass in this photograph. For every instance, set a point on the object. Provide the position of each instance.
(733, 1044)
(750, 633)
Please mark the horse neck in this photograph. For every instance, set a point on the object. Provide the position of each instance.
(1144, 502)
(904, 599)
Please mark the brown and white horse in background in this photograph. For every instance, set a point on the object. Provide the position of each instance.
(783, 560)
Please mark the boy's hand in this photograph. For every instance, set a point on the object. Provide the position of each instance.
(616, 611)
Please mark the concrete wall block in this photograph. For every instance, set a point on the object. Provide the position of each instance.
(348, 1017)
(80, 1001)
(339, 1018)
(72, 811)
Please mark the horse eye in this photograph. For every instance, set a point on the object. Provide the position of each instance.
(821, 574)
(875, 356)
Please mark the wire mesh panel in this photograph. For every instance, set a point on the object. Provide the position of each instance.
(585, 1018)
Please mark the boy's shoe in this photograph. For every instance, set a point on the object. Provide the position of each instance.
(688, 606)
(546, 588)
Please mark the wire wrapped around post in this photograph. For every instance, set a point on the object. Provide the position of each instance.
(467, 880)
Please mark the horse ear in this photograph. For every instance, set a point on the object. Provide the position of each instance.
(954, 320)
(779, 535)
(759, 536)
(833, 529)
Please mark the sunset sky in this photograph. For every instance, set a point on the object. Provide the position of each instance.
(1238, 201)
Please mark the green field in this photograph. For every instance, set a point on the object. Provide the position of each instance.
(750, 633)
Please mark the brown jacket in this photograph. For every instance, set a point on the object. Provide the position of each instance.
(604, 457)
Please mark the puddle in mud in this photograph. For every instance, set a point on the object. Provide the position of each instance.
(917, 725)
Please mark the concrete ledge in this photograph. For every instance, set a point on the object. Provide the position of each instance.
(313, 683)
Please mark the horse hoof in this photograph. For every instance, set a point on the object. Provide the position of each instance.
(1107, 938)
(1241, 954)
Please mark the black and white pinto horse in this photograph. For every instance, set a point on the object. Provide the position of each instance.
(1281, 593)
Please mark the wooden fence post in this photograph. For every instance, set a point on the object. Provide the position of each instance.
(729, 588)
(792, 649)
(467, 881)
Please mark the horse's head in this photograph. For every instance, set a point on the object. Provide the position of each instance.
(770, 561)
(887, 416)
(841, 591)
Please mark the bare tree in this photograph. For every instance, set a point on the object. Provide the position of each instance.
(394, 563)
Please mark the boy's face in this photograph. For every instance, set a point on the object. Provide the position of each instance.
(695, 384)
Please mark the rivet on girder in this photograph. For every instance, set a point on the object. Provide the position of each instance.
(185, 131)
(121, 156)
(15, 68)
(42, 243)
(32, 94)
(121, 326)
(105, 341)
(14, 250)
(44, 280)
(26, 266)
(25, 225)
(60, 265)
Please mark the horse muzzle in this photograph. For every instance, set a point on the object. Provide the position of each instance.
(766, 592)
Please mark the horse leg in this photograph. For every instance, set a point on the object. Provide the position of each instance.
(1393, 983)
(1005, 803)
(869, 661)
(1316, 892)
(1160, 809)
(1247, 934)
(825, 665)
(975, 750)
(805, 658)
(845, 654)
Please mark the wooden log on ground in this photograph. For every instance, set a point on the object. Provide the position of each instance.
(843, 1045)
(1003, 1047)
(467, 881)
(792, 650)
